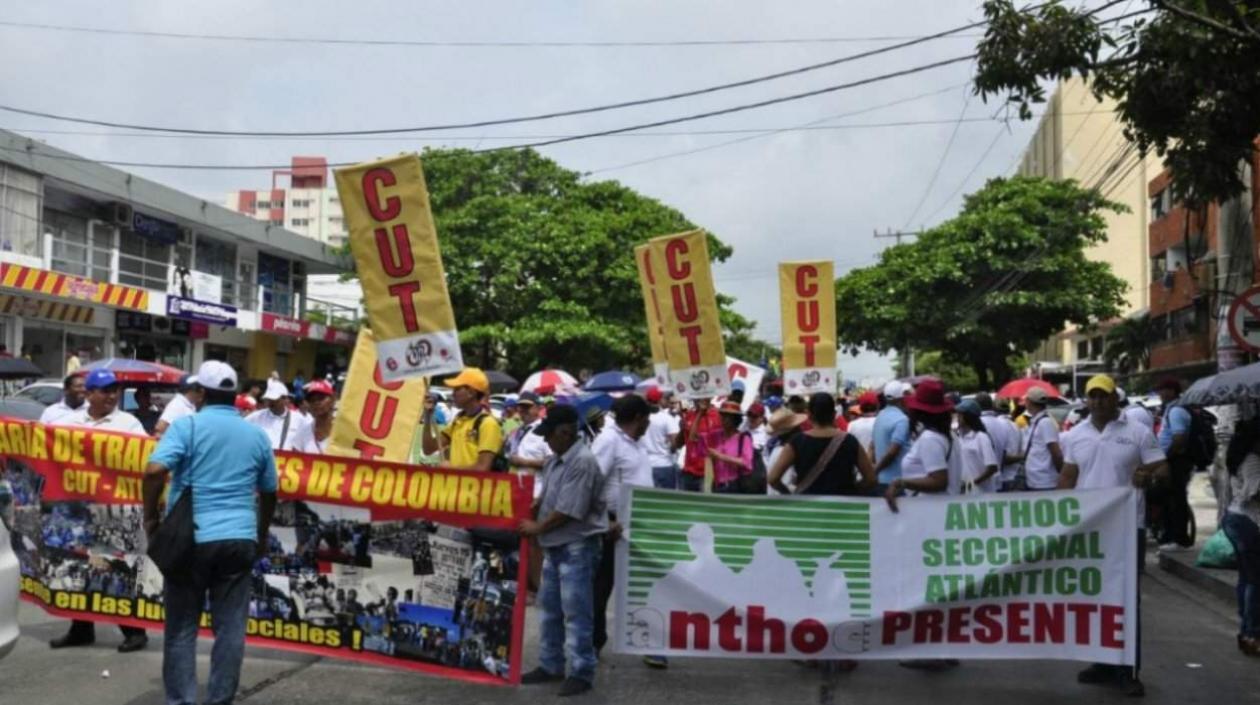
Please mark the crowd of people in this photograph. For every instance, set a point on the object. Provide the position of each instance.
(897, 441)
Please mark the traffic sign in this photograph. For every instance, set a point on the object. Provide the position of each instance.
(1244, 319)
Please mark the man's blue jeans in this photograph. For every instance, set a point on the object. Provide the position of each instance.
(665, 477)
(1245, 535)
(222, 571)
(568, 608)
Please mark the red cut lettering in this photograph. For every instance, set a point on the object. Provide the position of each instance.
(682, 622)
(1112, 626)
(367, 450)
(1016, 621)
(404, 292)
(809, 341)
(373, 180)
(404, 264)
(957, 622)
(678, 269)
(805, 284)
(988, 628)
(895, 622)
(809, 636)
(692, 334)
(380, 381)
(375, 425)
(928, 626)
(728, 637)
(685, 307)
(647, 265)
(807, 317)
(1048, 623)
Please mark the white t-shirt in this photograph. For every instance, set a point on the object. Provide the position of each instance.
(977, 455)
(863, 429)
(273, 425)
(1039, 466)
(622, 461)
(116, 420)
(1006, 441)
(1108, 458)
(57, 412)
(1137, 412)
(304, 440)
(932, 452)
(655, 442)
(534, 447)
(178, 408)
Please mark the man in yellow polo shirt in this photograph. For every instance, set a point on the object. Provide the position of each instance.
(473, 438)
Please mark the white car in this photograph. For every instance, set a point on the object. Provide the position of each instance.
(10, 574)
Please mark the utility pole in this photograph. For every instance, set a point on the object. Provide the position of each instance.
(905, 367)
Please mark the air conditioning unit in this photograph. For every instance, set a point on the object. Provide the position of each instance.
(121, 214)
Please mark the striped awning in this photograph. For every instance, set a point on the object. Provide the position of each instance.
(42, 281)
(27, 307)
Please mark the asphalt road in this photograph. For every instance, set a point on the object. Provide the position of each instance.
(1188, 647)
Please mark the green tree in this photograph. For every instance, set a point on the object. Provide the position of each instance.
(1128, 347)
(1005, 274)
(1183, 75)
(540, 264)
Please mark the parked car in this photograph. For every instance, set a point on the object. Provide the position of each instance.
(45, 391)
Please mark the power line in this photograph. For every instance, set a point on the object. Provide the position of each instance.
(953, 135)
(962, 184)
(498, 121)
(559, 140)
(466, 43)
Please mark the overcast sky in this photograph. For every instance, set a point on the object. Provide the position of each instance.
(800, 194)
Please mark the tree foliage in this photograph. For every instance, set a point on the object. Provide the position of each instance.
(1008, 272)
(1183, 76)
(540, 264)
(1128, 347)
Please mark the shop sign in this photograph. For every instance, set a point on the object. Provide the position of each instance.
(283, 325)
(204, 311)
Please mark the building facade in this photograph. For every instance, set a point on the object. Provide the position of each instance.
(96, 262)
(1080, 138)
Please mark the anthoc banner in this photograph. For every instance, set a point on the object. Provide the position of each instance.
(370, 561)
(1001, 576)
(376, 419)
(807, 301)
(652, 308)
(690, 326)
(396, 254)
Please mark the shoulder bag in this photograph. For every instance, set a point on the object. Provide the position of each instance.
(171, 546)
(1020, 483)
(817, 471)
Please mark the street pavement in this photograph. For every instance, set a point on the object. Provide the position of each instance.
(1189, 653)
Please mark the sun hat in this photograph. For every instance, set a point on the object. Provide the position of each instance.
(929, 398)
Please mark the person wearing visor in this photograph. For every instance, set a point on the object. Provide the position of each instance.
(314, 437)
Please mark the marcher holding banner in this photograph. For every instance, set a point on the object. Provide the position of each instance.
(227, 464)
(396, 255)
(807, 300)
(1110, 450)
(691, 329)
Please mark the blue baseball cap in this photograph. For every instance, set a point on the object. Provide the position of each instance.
(99, 379)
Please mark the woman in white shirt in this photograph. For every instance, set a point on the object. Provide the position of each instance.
(934, 463)
(979, 459)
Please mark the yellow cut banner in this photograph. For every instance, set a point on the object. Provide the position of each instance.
(647, 284)
(377, 419)
(395, 249)
(807, 297)
(691, 330)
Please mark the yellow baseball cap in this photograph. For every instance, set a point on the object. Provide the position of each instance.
(470, 377)
(1103, 382)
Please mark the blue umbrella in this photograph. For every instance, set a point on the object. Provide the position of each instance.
(612, 381)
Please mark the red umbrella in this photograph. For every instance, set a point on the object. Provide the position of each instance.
(130, 371)
(1018, 389)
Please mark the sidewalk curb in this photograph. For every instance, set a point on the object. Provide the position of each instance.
(1217, 582)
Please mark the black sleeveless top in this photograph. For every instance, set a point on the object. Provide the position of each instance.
(840, 475)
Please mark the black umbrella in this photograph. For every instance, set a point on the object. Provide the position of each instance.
(18, 368)
(501, 382)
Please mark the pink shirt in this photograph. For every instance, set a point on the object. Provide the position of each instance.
(724, 472)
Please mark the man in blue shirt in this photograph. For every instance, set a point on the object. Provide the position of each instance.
(227, 463)
(1171, 496)
(891, 436)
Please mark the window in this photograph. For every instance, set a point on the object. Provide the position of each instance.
(21, 203)
(300, 222)
(219, 258)
(1096, 346)
(143, 262)
(301, 202)
(1161, 203)
(262, 204)
(73, 248)
(277, 221)
(1082, 350)
(1159, 267)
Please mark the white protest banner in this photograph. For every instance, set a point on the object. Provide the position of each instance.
(750, 374)
(997, 576)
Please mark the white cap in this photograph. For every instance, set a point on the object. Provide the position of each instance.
(275, 390)
(215, 374)
(896, 390)
(1120, 394)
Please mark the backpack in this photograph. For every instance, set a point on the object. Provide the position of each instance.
(755, 481)
(1201, 439)
(500, 462)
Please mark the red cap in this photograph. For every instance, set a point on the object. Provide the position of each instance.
(245, 402)
(868, 398)
(654, 395)
(756, 409)
(929, 397)
(319, 386)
